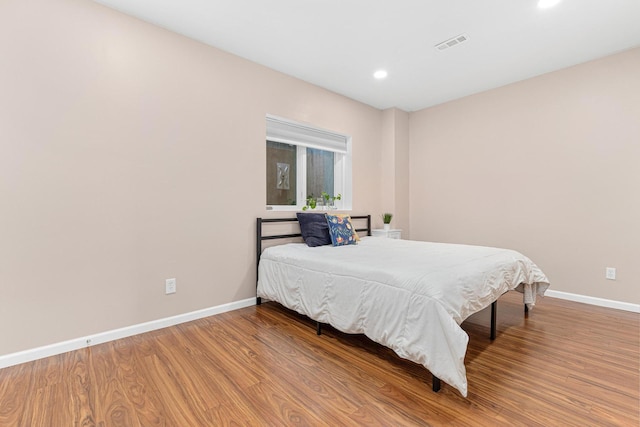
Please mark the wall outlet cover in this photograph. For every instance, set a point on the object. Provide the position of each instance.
(610, 273)
(170, 286)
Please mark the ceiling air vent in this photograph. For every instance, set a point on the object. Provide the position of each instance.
(452, 42)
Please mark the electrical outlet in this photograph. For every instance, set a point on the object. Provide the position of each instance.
(170, 286)
(610, 273)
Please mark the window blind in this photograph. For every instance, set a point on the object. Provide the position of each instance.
(287, 132)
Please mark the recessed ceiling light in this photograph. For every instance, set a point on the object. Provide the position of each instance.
(380, 74)
(545, 4)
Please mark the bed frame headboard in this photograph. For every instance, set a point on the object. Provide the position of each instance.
(260, 237)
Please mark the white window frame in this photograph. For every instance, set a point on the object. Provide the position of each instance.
(305, 136)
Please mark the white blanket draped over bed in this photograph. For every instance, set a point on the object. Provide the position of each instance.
(406, 295)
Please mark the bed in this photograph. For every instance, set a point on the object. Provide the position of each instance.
(406, 295)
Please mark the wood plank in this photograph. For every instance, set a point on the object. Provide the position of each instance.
(110, 403)
(14, 387)
(139, 391)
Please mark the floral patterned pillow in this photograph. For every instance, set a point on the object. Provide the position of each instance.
(341, 230)
(355, 233)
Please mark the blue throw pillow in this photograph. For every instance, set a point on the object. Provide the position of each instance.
(314, 229)
(341, 230)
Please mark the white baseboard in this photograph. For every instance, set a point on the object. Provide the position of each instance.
(626, 306)
(77, 343)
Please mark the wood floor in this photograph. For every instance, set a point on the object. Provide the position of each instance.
(566, 364)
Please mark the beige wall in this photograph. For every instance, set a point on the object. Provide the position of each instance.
(402, 177)
(129, 155)
(549, 166)
(394, 169)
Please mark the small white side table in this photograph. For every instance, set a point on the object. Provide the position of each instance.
(389, 234)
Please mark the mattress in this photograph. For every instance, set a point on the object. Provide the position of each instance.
(406, 295)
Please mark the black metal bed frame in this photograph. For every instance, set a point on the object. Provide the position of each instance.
(260, 238)
(436, 383)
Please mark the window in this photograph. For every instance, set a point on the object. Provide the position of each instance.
(302, 162)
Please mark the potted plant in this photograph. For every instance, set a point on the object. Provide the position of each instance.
(311, 203)
(386, 219)
(330, 201)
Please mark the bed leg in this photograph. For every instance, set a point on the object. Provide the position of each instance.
(526, 309)
(258, 300)
(435, 383)
(494, 309)
(318, 328)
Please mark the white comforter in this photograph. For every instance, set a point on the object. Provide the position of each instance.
(409, 296)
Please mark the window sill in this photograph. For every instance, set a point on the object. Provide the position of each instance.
(277, 208)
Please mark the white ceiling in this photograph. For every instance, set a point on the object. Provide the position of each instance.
(338, 44)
